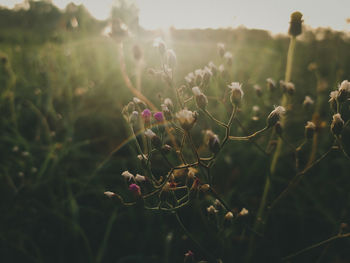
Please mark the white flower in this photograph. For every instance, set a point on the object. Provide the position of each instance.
(196, 91)
(139, 178)
(211, 210)
(150, 134)
(186, 118)
(128, 176)
(236, 92)
(243, 212)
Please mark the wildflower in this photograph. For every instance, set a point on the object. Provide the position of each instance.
(221, 49)
(213, 68)
(171, 58)
(155, 140)
(206, 75)
(146, 115)
(228, 57)
(343, 91)
(236, 92)
(168, 102)
(134, 188)
(333, 99)
(198, 73)
(308, 101)
(229, 216)
(275, 116)
(271, 84)
(190, 79)
(139, 178)
(186, 118)
(243, 212)
(201, 99)
(212, 141)
(211, 210)
(310, 128)
(337, 124)
(295, 24)
(109, 194)
(128, 176)
(258, 90)
(134, 118)
(158, 116)
(160, 44)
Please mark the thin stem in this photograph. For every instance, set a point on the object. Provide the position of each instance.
(339, 236)
(249, 137)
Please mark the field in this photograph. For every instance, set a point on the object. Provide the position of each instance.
(66, 140)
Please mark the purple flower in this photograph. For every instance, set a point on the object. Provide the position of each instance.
(146, 115)
(159, 116)
(135, 189)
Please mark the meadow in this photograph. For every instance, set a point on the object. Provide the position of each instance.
(66, 140)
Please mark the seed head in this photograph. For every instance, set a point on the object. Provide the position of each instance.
(186, 118)
(236, 93)
(308, 102)
(295, 24)
(271, 84)
(310, 129)
(275, 116)
(343, 91)
(337, 124)
(201, 99)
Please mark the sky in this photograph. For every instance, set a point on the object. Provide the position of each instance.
(270, 15)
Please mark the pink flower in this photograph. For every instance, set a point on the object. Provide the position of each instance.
(146, 115)
(135, 189)
(159, 116)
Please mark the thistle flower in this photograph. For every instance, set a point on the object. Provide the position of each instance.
(139, 178)
(201, 99)
(308, 101)
(236, 92)
(343, 91)
(171, 58)
(271, 84)
(337, 124)
(258, 90)
(310, 128)
(160, 44)
(295, 24)
(155, 140)
(186, 118)
(158, 116)
(213, 68)
(146, 115)
(127, 175)
(228, 57)
(135, 189)
(275, 116)
(333, 96)
(221, 49)
(213, 142)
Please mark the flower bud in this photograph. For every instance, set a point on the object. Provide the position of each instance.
(236, 93)
(186, 118)
(243, 212)
(134, 118)
(308, 102)
(333, 96)
(343, 91)
(158, 116)
(295, 24)
(258, 90)
(275, 116)
(146, 116)
(212, 141)
(337, 124)
(198, 73)
(109, 194)
(221, 49)
(135, 189)
(206, 75)
(211, 210)
(271, 84)
(229, 216)
(310, 128)
(171, 58)
(155, 140)
(201, 99)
